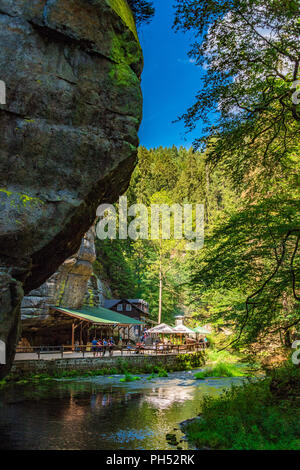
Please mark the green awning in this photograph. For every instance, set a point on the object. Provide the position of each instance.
(99, 315)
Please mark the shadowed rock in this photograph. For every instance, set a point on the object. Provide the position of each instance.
(68, 133)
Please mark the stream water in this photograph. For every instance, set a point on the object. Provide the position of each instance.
(102, 413)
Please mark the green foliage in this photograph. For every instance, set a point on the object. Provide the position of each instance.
(163, 373)
(162, 176)
(129, 378)
(222, 369)
(189, 361)
(224, 364)
(152, 376)
(245, 272)
(142, 10)
(244, 44)
(215, 356)
(254, 416)
(246, 276)
(22, 382)
(2, 383)
(158, 371)
(200, 375)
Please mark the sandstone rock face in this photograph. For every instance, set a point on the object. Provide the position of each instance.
(97, 291)
(11, 294)
(68, 132)
(70, 282)
(73, 285)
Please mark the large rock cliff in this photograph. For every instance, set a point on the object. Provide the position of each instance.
(70, 286)
(68, 133)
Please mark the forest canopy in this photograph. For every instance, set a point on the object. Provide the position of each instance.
(250, 52)
(245, 170)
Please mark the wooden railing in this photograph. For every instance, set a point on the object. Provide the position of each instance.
(102, 351)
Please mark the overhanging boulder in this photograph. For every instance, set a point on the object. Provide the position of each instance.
(68, 132)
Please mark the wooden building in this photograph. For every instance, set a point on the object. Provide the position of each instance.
(133, 308)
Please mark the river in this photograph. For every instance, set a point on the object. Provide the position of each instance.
(102, 413)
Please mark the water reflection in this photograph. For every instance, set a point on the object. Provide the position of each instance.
(162, 398)
(100, 413)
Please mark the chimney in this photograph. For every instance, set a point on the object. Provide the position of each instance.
(179, 320)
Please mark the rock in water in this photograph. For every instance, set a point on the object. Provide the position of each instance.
(68, 133)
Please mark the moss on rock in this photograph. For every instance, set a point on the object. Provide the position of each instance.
(121, 7)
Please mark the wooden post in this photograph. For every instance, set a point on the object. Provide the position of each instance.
(73, 335)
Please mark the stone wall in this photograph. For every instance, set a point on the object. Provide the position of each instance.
(170, 361)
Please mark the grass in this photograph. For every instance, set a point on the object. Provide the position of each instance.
(221, 369)
(162, 373)
(129, 378)
(261, 415)
(214, 356)
(157, 372)
(221, 364)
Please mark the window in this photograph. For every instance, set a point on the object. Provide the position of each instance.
(128, 307)
(120, 308)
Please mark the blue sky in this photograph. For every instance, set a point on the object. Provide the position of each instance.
(169, 81)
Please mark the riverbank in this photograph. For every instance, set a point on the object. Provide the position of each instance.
(33, 371)
(259, 415)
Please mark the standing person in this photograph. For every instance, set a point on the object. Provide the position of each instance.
(94, 347)
(105, 344)
(111, 346)
(99, 347)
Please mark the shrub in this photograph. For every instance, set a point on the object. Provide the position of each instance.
(129, 378)
(255, 416)
(163, 373)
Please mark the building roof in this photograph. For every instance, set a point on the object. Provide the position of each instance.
(162, 328)
(182, 329)
(99, 315)
(112, 302)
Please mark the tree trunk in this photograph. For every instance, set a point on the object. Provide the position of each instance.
(160, 287)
